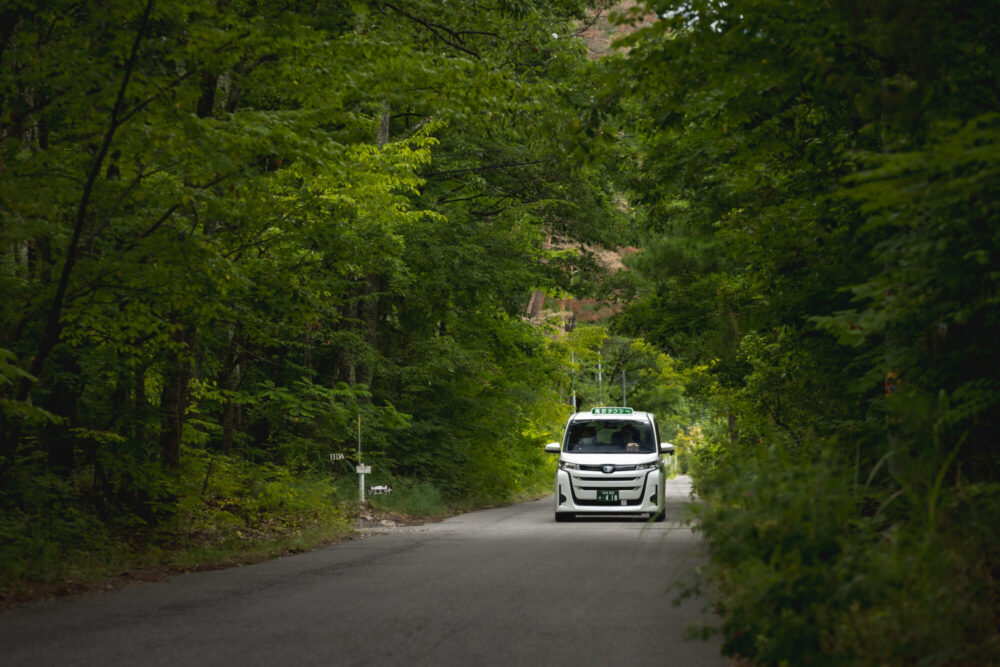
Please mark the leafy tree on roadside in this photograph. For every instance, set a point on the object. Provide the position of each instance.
(814, 168)
(233, 228)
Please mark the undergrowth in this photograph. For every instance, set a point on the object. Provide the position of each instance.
(214, 510)
(813, 566)
(58, 535)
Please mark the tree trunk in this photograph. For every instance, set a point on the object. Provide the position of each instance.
(369, 326)
(346, 368)
(173, 399)
(206, 103)
(231, 85)
(228, 426)
(382, 133)
(307, 350)
(231, 379)
(62, 400)
(141, 405)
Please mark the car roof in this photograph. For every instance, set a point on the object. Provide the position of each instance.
(634, 416)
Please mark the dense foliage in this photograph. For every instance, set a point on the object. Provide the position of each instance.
(230, 229)
(818, 181)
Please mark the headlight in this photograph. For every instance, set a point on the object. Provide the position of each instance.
(569, 466)
(647, 466)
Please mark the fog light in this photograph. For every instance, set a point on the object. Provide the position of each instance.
(652, 498)
(562, 498)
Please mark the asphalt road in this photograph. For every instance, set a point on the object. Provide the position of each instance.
(499, 587)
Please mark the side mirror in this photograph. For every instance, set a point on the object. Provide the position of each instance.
(666, 448)
(552, 447)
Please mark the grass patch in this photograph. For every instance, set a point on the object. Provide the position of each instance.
(412, 497)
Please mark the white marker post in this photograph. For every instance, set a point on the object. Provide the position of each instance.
(362, 471)
(361, 468)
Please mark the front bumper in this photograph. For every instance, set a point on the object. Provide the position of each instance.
(639, 492)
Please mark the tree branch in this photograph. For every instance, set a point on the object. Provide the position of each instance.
(455, 42)
(53, 328)
(489, 167)
(777, 420)
(458, 199)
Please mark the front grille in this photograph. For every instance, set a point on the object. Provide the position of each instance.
(629, 485)
(607, 503)
(600, 468)
(621, 480)
(619, 489)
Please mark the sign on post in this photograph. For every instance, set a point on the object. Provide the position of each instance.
(363, 470)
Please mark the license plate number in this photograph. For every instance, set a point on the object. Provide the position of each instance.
(607, 495)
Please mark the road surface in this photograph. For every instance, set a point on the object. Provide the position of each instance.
(499, 587)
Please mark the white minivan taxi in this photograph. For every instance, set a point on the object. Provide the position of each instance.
(610, 463)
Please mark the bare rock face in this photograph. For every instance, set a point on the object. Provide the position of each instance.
(599, 33)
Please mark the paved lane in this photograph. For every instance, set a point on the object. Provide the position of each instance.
(500, 587)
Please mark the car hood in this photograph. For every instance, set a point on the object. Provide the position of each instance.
(609, 459)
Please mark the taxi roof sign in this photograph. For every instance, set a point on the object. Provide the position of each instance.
(611, 411)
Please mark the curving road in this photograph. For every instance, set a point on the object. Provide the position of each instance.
(499, 587)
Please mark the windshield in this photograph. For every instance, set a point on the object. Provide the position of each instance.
(609, 436)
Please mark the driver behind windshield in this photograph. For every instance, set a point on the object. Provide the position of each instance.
(630, 438)
(609, 437)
